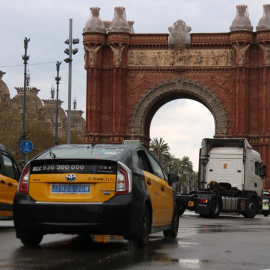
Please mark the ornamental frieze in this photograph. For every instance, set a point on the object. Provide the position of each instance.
(208, 38)
(160, 58)
(94, 38)
(145, 38)
(264, 140)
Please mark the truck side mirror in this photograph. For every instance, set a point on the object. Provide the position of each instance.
(172, 178)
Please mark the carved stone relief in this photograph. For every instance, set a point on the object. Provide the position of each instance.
(241, 52)
(117, 51)
(224, 81)
(179, 36)
(135, 81)
(266, 50)
(182, 57)
(92, 55)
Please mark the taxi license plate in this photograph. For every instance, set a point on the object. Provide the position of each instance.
(190, 203)
(70, 189)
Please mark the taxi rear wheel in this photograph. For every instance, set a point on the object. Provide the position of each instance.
(142, 236)
(31, 239)
(173, 231)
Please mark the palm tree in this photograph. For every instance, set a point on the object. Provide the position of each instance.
(182, 167)
(186, 170)
(160, 150)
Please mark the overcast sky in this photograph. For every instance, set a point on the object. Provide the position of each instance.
(181, 123)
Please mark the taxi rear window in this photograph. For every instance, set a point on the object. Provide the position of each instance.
(83, 152)
(58, 166)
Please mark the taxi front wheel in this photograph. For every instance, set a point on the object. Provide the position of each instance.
(173, 231)
(31, 239)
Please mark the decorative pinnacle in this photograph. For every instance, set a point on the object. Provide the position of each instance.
(266, 6)
(242, 7)
(120, 10)
(1, 74)
(95, 11)
(107, 24)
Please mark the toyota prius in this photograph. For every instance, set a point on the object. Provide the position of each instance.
(112, 189)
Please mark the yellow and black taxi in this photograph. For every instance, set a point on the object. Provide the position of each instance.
(95, 189)
(9, 177)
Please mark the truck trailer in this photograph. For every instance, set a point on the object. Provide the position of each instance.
(230, 179)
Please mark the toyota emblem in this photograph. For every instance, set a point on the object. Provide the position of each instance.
(71, 177)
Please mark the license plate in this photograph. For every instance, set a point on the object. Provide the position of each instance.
(190, 203)
(70, 189)
(265, 207)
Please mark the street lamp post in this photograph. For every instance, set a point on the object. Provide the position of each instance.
(57, 78)
(25, 57)
(68, 60)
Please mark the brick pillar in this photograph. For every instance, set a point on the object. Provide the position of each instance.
(118, 43)
(93, 45)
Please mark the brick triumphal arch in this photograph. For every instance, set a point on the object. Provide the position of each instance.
(130, 76)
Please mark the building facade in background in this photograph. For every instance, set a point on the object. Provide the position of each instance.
(41, 109)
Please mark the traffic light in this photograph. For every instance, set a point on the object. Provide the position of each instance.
(70, 51)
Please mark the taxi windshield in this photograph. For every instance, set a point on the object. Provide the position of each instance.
(83, 152)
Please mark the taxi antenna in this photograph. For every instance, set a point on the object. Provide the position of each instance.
(92, 143)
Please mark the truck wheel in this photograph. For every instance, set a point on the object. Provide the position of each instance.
(215, 208)
(204, 216)
(173, 231)
(31, 239)
(141, 238)
(251, 208)
(182, 209)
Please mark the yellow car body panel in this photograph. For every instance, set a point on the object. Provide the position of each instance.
(161, 195)
(102, 187)
(8, 189)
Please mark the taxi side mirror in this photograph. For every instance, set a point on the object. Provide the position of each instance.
(172, 178)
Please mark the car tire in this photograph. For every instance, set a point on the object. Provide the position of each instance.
(173, 231)
(181, 209)
(31, 239)
(141, 238)
(215, 208)
(251, 208)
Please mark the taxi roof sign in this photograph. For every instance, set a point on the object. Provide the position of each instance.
(134, 142)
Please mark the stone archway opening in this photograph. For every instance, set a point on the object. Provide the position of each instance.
(182, 124)
(165, 92)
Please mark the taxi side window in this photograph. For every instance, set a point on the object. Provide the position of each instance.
(146, 166)
(1, 167)
(9, 168)
(156, 167)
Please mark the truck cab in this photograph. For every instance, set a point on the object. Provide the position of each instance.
(238, 167)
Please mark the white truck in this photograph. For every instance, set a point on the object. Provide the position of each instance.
(230, 179)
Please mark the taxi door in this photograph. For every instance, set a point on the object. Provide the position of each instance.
(2, 194)
(9, 183)
(161, 193)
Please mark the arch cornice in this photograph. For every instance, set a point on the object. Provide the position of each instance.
(178, 87)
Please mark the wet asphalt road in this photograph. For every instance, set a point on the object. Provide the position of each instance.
(229, 242)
